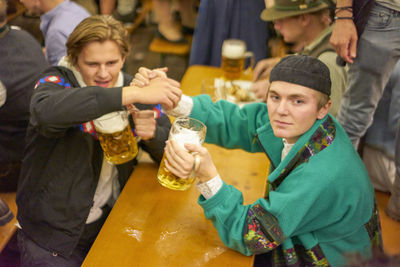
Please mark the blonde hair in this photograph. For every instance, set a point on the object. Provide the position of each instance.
(323, 100)
(96, 28)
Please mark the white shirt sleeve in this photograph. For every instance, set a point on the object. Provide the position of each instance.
(211, 187)
(183, 109)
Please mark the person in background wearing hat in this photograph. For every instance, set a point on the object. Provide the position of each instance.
(319, 203)
(307, 25)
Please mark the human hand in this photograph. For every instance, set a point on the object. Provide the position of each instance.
(264, 67)
(344, 39)
(160, 90)
(144, 75)
(260, 89)
(181, 162)
(145, 123)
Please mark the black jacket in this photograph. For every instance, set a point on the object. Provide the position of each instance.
(62, 163)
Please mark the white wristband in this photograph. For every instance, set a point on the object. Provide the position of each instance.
(211, 187)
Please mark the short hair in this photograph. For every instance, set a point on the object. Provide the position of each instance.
(3, 11)
(98, 28)
(323, 100)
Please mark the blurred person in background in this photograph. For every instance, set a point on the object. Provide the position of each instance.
(21, 62)
(58, 19)
(366, 35)
(219, 20)
(379, 149)
(167, 28)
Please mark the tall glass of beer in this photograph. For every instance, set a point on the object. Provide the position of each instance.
(234, 55)
(116, 137)
(183, 131)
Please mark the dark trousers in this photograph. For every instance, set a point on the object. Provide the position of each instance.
(33, 255)
(9, 173)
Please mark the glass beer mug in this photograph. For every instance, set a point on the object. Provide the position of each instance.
(234, 55)
(183, 131)
(116, 137)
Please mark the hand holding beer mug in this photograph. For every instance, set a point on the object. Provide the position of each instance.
(196, 159)
(116, 137)
(183, 131)
(233, 58)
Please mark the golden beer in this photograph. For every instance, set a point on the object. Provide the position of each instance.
(232, 67)
(116, 137)
(183, 131)
(170, 180)
(233, 58)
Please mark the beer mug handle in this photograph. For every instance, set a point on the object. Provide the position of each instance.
(250, 68)
(130, 108)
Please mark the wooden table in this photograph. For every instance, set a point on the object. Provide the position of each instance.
(153, 226)
(8, 230)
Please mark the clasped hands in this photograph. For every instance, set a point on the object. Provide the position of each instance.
(161, 90)
(183, 162)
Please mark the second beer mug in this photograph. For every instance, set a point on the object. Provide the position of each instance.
(183, 131)
(233, 58)
(116, 137)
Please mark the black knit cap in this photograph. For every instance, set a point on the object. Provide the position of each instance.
(303, 70)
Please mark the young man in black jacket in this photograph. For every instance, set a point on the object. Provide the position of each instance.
(66, 187)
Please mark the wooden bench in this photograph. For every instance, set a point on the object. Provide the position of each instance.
(165, 48)
(8, 230)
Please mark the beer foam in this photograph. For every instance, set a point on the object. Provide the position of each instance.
(110, 123)
(186, 136)
(233, 51)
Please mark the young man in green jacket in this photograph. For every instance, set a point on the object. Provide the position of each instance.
(320, 201)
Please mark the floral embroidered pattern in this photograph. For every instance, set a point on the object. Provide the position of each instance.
(320, 140)
(300, 257)
(260, 240)
(263, 232)
(373, 227)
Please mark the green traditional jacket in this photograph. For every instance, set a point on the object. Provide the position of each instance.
(319, 204)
